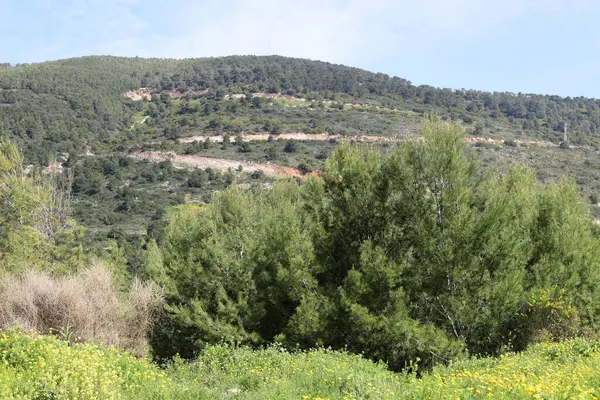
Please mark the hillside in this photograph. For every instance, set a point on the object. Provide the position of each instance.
(275, 278)
(63, 106)
(251, 119)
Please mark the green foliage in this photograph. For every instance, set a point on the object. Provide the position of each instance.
(35, 226)
(471, 247)
(400, 253)
(275, 373)
(354, 239)
(198, 179)
(233, 270)
(415, 255)
(77, 104)
(563, 370)
(290, 147)
(548, 317)
(11, 160)
(48, 368)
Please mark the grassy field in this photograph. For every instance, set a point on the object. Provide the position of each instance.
(44, 367)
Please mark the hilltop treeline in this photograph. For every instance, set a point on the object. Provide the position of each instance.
(70, 104)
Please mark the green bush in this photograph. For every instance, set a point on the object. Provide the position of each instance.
(36, 229)
(233, 271)
(416, 255)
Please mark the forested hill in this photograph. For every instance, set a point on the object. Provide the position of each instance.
(70, 105)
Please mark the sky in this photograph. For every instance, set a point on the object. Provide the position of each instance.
(529, 46)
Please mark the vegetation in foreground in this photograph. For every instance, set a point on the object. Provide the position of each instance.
(44, 367)
(414, 258)
(417, 254)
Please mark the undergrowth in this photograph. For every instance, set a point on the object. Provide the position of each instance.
(45, 367)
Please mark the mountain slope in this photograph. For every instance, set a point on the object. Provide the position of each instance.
(259, 112)
(66, 105)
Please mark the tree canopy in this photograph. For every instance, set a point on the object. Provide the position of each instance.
(415, 254)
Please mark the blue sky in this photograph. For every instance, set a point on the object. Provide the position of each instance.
(530, 46)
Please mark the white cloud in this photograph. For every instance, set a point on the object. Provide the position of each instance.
(345, 31)
(339, 31)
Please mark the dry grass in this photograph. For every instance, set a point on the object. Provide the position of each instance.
(86, 306)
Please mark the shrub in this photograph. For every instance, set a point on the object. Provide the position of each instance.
(233, 271)
(548, 317)
(290, 147)
(305, 168)
(413, 255)
(258, 174)
(272, 153)
(36, 230)
(81, 307)
(245, 147)
(198, 178)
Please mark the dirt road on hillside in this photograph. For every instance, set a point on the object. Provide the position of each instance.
(223, 164)
(220, 164)
(323, 137)
(540, 143)
(319, 137)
